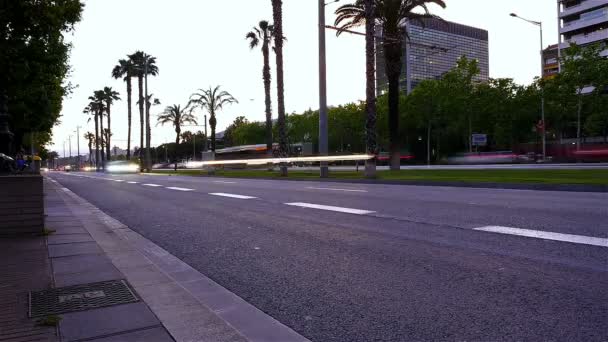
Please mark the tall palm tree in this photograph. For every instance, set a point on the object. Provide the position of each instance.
(212, 100)
(90, 137)
(125, 70)
(393, 16)
(277, 17)
(144, 65)
(109, 97)
(370, 89)
(264, 34)
(99, 99)
(177, 117)
(95, 108)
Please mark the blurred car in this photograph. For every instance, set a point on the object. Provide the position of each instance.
(122, 166)
(67, 168)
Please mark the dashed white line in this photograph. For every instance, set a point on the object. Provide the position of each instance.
(118, 180)
(179, 189)
(132, 182)
(152, 185)
(336, 189)
(331, 208)
(231, 195)
(224, 182)
(539, 234)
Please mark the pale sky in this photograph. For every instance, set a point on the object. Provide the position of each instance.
(201, 43)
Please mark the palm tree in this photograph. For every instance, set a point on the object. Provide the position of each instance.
(264, 34)
(212, 100)
(277, 17)
(125, 69)
(370, 89)
(95, 108)
(99, 99)
(393, 16)
(144, 65)
(109, 97)
(90, 137)
(178, 117)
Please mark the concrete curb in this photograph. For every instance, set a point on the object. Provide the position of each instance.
(190, 306)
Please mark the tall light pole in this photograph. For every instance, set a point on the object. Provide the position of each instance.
(70, 145)
(148, 135)
(78, 145)
(323, 134)
(542, 91)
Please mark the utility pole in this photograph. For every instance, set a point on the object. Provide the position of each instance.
(70, 145)
(147, 161)
(323, 148)
(78, 144)
(64, 150)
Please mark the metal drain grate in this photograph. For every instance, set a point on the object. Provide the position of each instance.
(80, 297)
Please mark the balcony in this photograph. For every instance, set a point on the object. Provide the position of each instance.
(582, 7)
(583, 39)
(582, 23)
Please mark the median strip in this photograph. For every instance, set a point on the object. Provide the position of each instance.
(331, 208)
(231, 195)
(539, 234)
(179, 189)
(336, 189)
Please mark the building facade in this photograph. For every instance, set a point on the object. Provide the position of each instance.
(550, 61)
(583, 22)
(434, 46)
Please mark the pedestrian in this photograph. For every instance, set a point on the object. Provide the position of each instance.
(20, 161)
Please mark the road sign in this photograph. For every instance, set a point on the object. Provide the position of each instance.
(479, 139)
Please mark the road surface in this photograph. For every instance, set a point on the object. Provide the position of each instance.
(364, 262)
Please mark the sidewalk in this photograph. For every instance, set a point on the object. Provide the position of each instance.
(112, 284)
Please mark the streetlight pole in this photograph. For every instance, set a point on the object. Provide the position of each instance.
(542, 90)
(147, 104)
(78, 144)
(323, 139)
(70, 145)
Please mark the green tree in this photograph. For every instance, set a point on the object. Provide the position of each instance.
(212, 100)
(109, 96)
(125, 70)
(90, 138)
(392, 16)
(264, 34)
(34, 63)
(229, 132)
(277, 16)
(178, 117)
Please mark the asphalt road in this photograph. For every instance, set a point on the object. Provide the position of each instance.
(362, 262)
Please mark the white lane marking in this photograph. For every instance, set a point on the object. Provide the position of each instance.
(331, 208)
(224, 182)
(336, 189)
(231, 195)
(152, 185)
(118, 180)
(179, 189)
(539, 234)
(132, 182)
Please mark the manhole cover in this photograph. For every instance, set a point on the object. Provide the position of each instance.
(80, 297)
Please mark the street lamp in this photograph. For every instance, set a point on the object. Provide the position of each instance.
(542, 91)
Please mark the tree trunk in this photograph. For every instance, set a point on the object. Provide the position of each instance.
(97, 142)
(129, 90)
(393, 57)
(176, 145)
(212, 123)
(277, 15)
(370, 90)
(90, 154)
(578, 121)
(108, 147)
(102, 135)
(140, 86)
(267, 99)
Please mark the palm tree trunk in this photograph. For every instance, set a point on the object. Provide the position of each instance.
(277, 15)
(212, 123)
(176, 145)
(108, 135)
(267, 99)
(148, 132)
(102, 139)
(140, 85)
(393, 53)
(97, 141)
(370, 90)
(90, 153)
(129, 90)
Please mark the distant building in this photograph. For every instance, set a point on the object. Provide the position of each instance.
(583, 22)
(434, 48)
(550, 61)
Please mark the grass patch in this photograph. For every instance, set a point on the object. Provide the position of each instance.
(539, 176)
(49, 321)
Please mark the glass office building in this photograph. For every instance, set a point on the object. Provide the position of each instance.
(434, 48)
